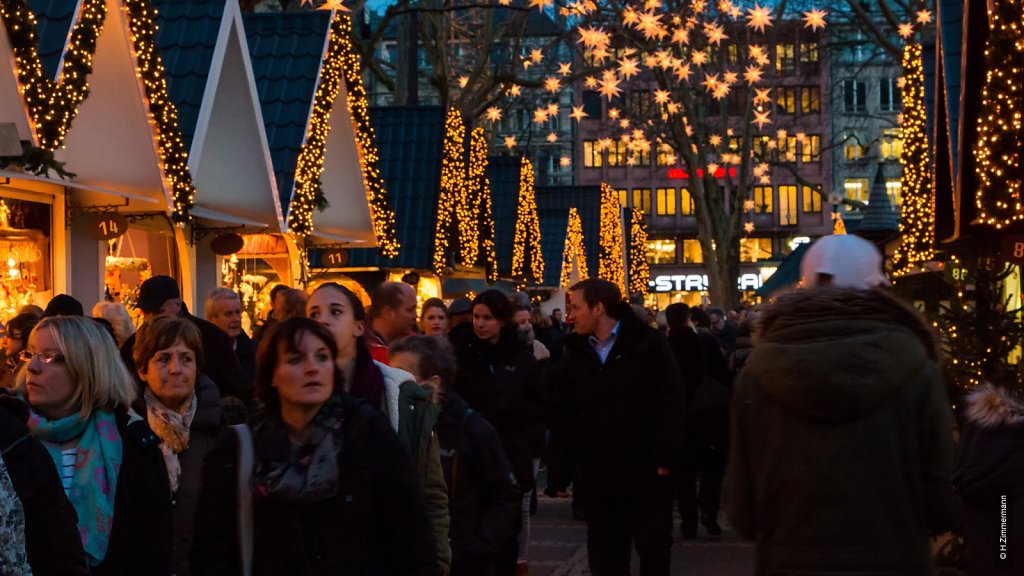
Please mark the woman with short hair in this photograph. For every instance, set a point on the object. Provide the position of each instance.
(79, 393)
(331, 487)
(183, 407)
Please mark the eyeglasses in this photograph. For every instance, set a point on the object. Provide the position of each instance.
(11, 335)
(44, 357)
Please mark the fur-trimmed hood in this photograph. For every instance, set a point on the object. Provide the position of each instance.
(835, 354)
(989, 406)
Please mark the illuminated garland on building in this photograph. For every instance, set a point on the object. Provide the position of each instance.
(527, 260)
(610, 247)
(170, 144)
(917, 222)
(482, 224)
(451, 203)
(639, 270)
(381, 214)
(998, 152)
(574, 253)
(53, 105)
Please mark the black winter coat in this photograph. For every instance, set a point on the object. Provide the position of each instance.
(140, 539)
(51, 526)
(615, 424)
(245, 351)
(376, 525)
(207, 425)
(699, 356)
(501, 382)
(483, 497)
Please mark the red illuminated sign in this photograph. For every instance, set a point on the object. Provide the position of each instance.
(680, 174)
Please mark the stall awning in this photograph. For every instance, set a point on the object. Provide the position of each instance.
(788, 273)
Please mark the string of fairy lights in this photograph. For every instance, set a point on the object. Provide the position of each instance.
(480, 190)
(527, 260)
(469, 201)
(639, 269)
(451, 201)
(917, 222)
(170, 144)
(610, 250)
(51, 104)
(574, 253)
(998, 151)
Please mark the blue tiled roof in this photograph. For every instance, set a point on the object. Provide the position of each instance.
(410, 142)
(54, 19)
(286, 49)
(503, 172)
(186, 36)
(553, 205)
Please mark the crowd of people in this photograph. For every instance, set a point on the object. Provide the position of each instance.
(398, 439)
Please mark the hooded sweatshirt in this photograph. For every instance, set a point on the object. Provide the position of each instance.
(842, 437)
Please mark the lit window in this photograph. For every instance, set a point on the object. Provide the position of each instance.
(785, 58)
(856, 189)
(787, 149)
(812, 200)
(810, 148)
(692, 254)
(666, 156)
(755, 249)
(623, 197)
(853, 152)
(591, 156)
(661, 251)
(786, 100)
(891, 144)
(617, 153)
(685, 202)
(763, 199)
(787, 206)
(642, 199)
(809, 52)
(894, 189)
(810, 99)
(666, 198)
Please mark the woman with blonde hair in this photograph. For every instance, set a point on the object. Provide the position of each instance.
(117, 315)
(109, 461)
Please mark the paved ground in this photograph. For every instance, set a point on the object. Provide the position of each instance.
(558, 547)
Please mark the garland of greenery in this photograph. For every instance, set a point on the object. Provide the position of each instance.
(38, 161)
(53, 105)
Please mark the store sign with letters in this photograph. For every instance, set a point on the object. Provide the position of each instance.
(698, 282)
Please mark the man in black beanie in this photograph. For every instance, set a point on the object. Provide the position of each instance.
(159, 296)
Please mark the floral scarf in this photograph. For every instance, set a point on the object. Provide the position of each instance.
(301, 472)
(96, 470)
(172, 427)
(13, 557)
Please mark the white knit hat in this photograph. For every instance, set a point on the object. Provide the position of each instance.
(851, 261)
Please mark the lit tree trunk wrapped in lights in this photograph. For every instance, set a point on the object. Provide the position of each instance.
(527, 260)
(478, 240)
(610, 266)
(575, 255)
(998, 152)
(917, 224)
(451, 202)
(639, 270)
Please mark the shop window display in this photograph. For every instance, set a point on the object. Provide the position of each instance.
(25, 250)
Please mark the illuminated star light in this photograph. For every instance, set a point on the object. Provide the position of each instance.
(748, 227)
(552, 108)
(721, 91)
(651, 27)
(730, 77)
(540, 4)
(540, 115)
(905, 30)
(752, 74)
(565, 161)
(577, 113)
(493, 114)
(748, 205)
(510, 142)
(565, 68)
(593, 37)
(681, 36)
(463, 81)
(761, 118)
(924, 16)
(624, 124)
(552, 137)
(814, 19)
(759, 17)
(333, 5)
(536, 55)
(630, 16)
(551, 84)
(661, 96)
(762, 95)
(590, 82)
(613, 113)
(715, 140)
(628, 67)
(714, 33)
(710, 82)
(699, 58)
(514, 90)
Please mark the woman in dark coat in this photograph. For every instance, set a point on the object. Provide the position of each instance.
(183, 407)
(990, 466)
(497, 375)
(50, 545)
(79, 392)
(485, 502)
(333, 491)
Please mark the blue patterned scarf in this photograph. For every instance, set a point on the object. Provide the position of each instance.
(97, 464)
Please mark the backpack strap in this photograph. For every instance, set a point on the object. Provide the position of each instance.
(246, 461)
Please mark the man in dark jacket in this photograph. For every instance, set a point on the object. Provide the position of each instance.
(706, 444)
(841, 443)
(159, 296)
(617, 423)
(224, 310)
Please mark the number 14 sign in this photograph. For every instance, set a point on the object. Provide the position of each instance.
(107, 226)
